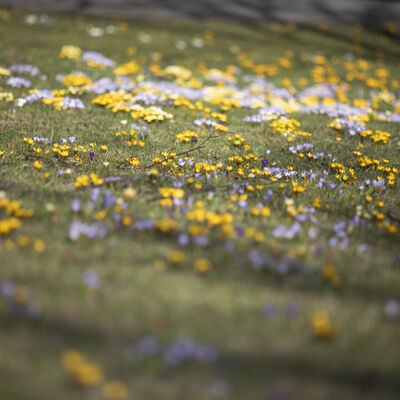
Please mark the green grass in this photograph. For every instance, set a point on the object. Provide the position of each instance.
(142, 292)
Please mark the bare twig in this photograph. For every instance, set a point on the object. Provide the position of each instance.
(46, 159)
(186, 152)
(37, 156)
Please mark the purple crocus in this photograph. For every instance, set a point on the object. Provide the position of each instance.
(76, 205)
(269, 309)
(292, 308)
(392, 308)
(91, 280)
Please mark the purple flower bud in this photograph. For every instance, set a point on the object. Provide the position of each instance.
(239, 230)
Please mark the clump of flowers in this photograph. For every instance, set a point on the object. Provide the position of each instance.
(171, 196)
(187, 136)
(6, 96)
(76, 80)
(94, 59)
(377, 136)
(71, 52)
(85, 180)
(82, 372)
(12, 214)
(5, 71)
(150, 114)
(238, 141)
(17, 82)
(133, 161)
(166, 159)
(131, 67)
(288, 128)
(178, 72)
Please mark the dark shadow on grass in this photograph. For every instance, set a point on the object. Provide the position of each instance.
(336, 367)
(341, 37)
(339, 369)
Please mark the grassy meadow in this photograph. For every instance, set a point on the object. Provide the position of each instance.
(198, 210)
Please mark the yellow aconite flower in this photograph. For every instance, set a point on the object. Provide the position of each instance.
(71, 360)
(88, 374)
(176, 256)
(126, 220)
(39, 246)
(131, 67)
(322, 326)
(23, 241)
(202, 265)
(166, 225)
(328, 272)
(221, 128)
(172, 192)
(82, 181)
(96, 180)
(72, 52)
(133, 161)
(115, 390)
(9, 225)
(37, 164)
(187, 136)
(129, 193)
(4, 71)
(117, 101)
(83, 372)
(297, 188)
(6, 96)
(178, 71)
(76, 80)
(149, 114)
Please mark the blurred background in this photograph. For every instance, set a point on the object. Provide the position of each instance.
(299, 11)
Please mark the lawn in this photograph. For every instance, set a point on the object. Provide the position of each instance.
(198, 210)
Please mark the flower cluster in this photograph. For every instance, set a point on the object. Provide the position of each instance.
(86, 373)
